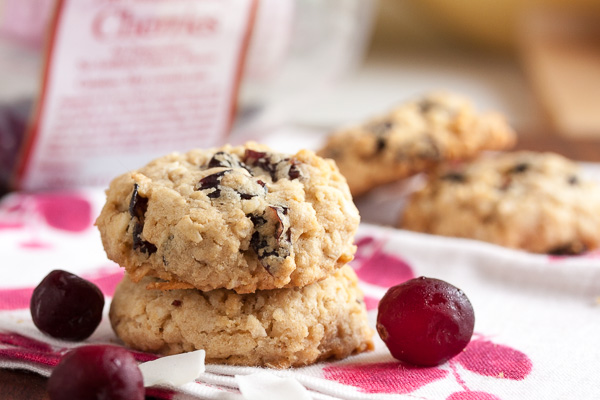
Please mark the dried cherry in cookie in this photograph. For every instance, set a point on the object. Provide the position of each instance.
(212, 182)
(454, 177)
(137, 210)
(268, 239)
(294, 172)
(519, 168)
(222, 159)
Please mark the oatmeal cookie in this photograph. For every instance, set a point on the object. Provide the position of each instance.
(241, 218)
(537, 202)
(413, 138)
(276, 328)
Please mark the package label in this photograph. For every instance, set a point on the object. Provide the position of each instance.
(126, 81)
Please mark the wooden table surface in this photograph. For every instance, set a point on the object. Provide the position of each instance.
(23, 385)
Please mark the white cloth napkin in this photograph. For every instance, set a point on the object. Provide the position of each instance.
(536, 331)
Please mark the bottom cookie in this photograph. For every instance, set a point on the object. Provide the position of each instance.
(275, 328)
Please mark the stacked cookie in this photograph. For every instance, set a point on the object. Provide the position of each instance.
(240, 251)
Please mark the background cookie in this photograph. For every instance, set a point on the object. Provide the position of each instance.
(241, 218)
(532, 201)
(276, 328)
(412, 138)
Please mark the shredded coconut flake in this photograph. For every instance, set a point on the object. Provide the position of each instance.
(263, 385)
(173, 370)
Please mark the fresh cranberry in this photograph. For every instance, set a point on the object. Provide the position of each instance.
(425, 321)
(96, 372)
(66, 306)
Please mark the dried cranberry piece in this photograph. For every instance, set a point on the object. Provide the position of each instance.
(276, 170)
(267, 240)
(380, 144)
(257, 220)
(380, 130)
(97, 372)
(279, 215)
(212, 182)
(454, 177)
(140, 244)
(262, 160)
(66, 306)
(253, 157)
(569, 249)
(573, 180)
(222, 159)
(519, 168)
(294, 172)
(138, 206)
(427, 105)
(425, 321)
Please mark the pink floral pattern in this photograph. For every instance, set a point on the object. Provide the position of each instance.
(371, 303)
(388, 377)
(481, 356)
(496, 360)
(472, 395)
(375, 266)
(66, 212)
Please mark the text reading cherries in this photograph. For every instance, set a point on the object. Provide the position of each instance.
(96, 372)
(66, 306)
(425, 321)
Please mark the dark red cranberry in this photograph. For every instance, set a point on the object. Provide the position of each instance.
(425, 321)
(519, 168)
(454, 177)
(96, 372)
(66, 306)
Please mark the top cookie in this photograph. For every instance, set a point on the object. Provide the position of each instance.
(241, 218)
(532, 201)
(413, 138)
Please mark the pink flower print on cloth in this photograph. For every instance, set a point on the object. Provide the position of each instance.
(46, 212)
(66, 212)
(386, 377)
(481, 356)
(376, 267)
